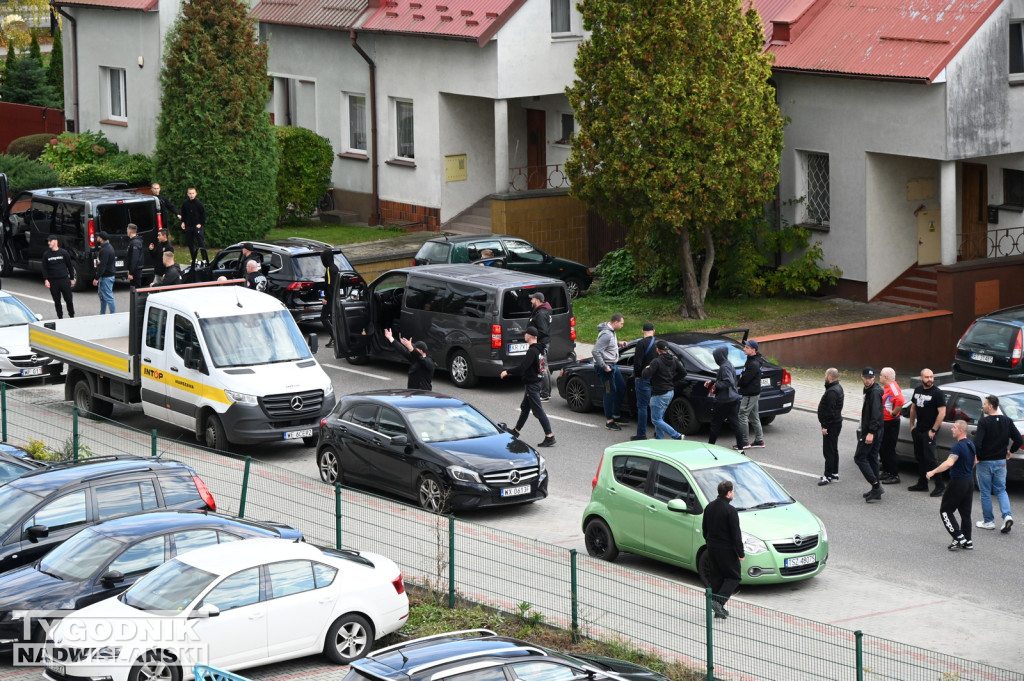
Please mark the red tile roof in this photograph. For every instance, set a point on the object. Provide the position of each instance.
(472, 19)
(140, 5)
(901, 39)
(336, 14)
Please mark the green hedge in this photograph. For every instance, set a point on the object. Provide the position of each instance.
(305, 170)
(30, 145)
(135, 169)
(27, 173)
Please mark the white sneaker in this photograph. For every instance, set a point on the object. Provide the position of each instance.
(986, 526)
(1007, 524)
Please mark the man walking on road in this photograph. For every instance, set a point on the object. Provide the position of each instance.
(530, 371)
(606, 357)
(995, 430)
(927, 410)
(750, 394)
(643, 355)
(892, 404)
(662, 375)
(727, 399)
(421, 367)
(959, 494)
(721, 529)
(830, 418)
(105, 271)
(866, 457)
(540, 319)
(59, 275)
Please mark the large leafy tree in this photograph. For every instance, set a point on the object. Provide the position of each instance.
(678, 130)
(214, 133)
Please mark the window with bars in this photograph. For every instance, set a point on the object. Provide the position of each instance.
(816, 186)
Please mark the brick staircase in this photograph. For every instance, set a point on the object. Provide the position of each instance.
(917, 287)
(474, 220)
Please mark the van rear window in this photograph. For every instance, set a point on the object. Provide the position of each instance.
(114, 217)
(516, 302)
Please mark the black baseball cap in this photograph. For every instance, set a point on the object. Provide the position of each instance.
(868, 372)
(648, 326)
(538, 295)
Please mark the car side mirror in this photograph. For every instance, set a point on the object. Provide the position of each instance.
(399, 440)
(111, 578)
(690, 506)
(191, 362)
(503, 426)
(548, 258)
(204, 612)
(314, 342)
(37, 532)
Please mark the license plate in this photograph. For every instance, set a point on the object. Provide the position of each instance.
(766, 382)
(54, 667)
(298, 434)
(518, 348)
(119, 263)
(515, 491)
(800, 560)
(34, 371)
(978, 357)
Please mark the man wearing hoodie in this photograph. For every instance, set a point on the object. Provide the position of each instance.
(866, 457)
(606, 357)
(727, 399)
(750, 394)
(540, 319)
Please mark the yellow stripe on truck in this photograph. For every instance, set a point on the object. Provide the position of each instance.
(191, 387)
(109, 359)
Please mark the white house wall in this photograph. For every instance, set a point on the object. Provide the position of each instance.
(467, 127)
(531, 61)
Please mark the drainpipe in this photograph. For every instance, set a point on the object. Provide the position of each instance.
(74, 64)
(375, 218)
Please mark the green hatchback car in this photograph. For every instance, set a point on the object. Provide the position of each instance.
(648, 498)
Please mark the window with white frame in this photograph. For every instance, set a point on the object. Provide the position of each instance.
(405, 146)
(561, 16)
(567, 129)
(354, 122)
(815, 176)
(1017, 49)
(116, 104)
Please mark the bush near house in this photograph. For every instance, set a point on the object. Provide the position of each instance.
(27, 173)
(71, 149)
(29, 145)
(304, 171)
(134, 169)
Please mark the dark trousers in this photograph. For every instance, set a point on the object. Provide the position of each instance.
(722, 412)
(959, 496)
(890, 433)
(195, 239)
(642, 388)
(725, 573)
(325, 316)
(614, 392)
(866, 457)
(531, 402)
(545, 379)
(61, 288)
(924, 452)
(830, 448)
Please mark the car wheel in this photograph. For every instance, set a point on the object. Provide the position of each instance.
(766, 420)
(704, 568)
(213, 433)
(329, 465)
(460, 368)
(432, 495)
(574, 287)
(682, 417)
(348, 639)
(88, 403)
(577, 395)
(599, 540)
(155, 665)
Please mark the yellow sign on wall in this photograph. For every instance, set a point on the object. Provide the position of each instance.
(455, 168)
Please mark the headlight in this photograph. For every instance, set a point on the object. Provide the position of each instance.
(824, 532)
(106, 654)
(541, 464)
(463, 474)
(330, 390)
(241, 398)
(752, 544)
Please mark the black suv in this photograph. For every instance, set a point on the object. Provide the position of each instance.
(294, 271)
(992, 347)
(42, 508)
(76, 215)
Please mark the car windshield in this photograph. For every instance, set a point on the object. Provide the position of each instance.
(1013, 406)
(261, 338)
(14, 503)
(434, 252)
(310, 267)
(702, 354)
(169, 588)
(755, 489)
(80, 557)
(446, 424)
(14, 313)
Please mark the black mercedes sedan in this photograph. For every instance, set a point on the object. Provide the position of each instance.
(432, 448)
(105, 559)
(691, 407)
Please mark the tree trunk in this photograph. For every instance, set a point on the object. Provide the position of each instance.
(705, 271)
(693, 305)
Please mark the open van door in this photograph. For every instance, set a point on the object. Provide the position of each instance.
(350, 316)
(6, 262)
(5, 197)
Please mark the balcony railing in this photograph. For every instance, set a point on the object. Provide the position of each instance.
(537, 177)
(997, 243)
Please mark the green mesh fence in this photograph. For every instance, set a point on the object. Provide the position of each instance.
(484, 565)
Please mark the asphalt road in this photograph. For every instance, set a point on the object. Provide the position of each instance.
(889, 571)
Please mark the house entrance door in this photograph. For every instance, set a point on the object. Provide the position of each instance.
(929, 237)
(974, 216)
(536, 150)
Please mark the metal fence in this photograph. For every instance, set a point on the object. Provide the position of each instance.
(471, 562)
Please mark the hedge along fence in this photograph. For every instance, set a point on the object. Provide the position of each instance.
(465, 561)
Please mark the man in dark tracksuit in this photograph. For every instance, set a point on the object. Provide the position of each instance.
(866, 456)
(959, 493)
(162, 245)
(331, 274)
(721, 529)
(643, 355)
(540, 319)
(59, 275)
(530, 371)
(830, 418)
(421, 367)
(193, 219)
(136, 256)
(727, 399)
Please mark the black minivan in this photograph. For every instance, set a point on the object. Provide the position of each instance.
(472, 318)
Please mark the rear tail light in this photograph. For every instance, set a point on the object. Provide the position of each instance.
(398, 584)
(323, 422)
(92, 233)
(300, 285)
(159, 221)
(204, 493)
(965, 335)
(1015, 357)
(495, 336)
(593, 483)
(572, 328)
(787, 378)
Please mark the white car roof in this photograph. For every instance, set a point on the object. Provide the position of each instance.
(218, 301)
(222, 559)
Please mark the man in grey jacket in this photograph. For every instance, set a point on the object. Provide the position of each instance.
(727, 399)
(606, 357)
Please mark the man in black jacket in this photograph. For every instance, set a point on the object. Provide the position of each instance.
(162, 245)
(248, 254)
(166, 207)
(136, 256)
(663, 373)
(540, 319)
(193, 219)
(643, 355)
(59, 275)
(727, 399)
(750, 394)
(172, 272)
(830, 418)
(105, 271)
(331, 274)
(421, 367)
(530, 371)
(995, 430)
(866, 457)
(721, 529)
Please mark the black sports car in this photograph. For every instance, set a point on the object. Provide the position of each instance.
(691, 407)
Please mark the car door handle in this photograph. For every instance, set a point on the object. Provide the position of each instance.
(256, 616)
(652, 509)
(612, 490)
(174, 369)
(325, 600)
(146, 359)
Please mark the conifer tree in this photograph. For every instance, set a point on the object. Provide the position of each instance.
(55, 72)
